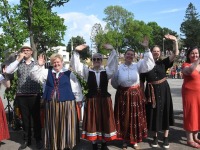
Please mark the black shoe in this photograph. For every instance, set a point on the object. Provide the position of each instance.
(24, 145)
(39, 144)
(95, 146)
(104, 146)
(155, 142)
(165, 142)
(124, 146)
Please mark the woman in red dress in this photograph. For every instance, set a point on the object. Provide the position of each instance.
(191, 96)
(4, 132)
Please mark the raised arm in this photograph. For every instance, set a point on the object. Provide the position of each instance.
(76, 64)
(38, 72)
(13, 66)
(187, 70)
(147, 63)
(175, 47)
(112, 62)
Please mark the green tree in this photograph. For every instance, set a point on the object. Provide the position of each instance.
(135, 31)
(116, 18)
(13, 35)
(45, 27)
(75, 41)
(33, 20)
(190, 27)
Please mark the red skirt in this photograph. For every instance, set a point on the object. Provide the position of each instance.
(130, 114)
(98, 119)
(4, 132)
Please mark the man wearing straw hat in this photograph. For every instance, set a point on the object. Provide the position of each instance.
(27, 96)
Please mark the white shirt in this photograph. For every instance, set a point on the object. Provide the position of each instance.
(83, 70)
(40, 74)
(128, 76)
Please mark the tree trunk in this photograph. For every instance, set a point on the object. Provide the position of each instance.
(33, 45)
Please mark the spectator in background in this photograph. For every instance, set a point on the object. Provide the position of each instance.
(129, 109)
(27, 96)
(159, 108)
(178, 71)
(191, 96)
(173, 73)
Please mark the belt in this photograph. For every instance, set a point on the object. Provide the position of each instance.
(28, 94)
(151, 94)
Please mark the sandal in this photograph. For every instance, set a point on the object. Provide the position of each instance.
(197, 141)
(193, 144)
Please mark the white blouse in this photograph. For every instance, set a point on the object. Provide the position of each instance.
(40, 74)
(128, 76)
(83, 70)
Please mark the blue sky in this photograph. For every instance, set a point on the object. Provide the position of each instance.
(81, 15)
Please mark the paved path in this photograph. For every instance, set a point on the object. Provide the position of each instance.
(176, 137)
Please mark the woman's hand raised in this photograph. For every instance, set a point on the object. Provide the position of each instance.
(81, 47)
(145, 42)
(108, 46)
(170, 37)
(41, 60)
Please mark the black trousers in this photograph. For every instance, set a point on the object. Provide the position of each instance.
(29, 107)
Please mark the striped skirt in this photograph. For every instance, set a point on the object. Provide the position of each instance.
(130, 114)
(98, 119)
(61, 127)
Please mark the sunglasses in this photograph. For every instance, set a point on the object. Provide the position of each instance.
(96, 59)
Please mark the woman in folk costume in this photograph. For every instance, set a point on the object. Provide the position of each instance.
(61, 93)
(98, 120)
(4, 132)
(130, 115)
(159, 109)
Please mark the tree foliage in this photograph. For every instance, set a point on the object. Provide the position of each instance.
(116, 18)
(31, 20)
(13, 35)
(190, 27)
(122, 30)
(45, 27)
(74, 42)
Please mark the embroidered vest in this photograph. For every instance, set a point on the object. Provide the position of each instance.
(25, 84)
(61, 86)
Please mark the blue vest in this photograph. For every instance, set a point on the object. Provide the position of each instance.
(61, 86)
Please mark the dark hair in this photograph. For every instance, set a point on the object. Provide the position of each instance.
(188, 53)
(129, 49)
(154, 47)
(151, 49)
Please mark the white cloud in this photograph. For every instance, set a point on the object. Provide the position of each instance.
(136, 2)
(79, 24)
(171, 10)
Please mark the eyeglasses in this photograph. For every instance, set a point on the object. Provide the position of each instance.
(96, 59)
(26, 50)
